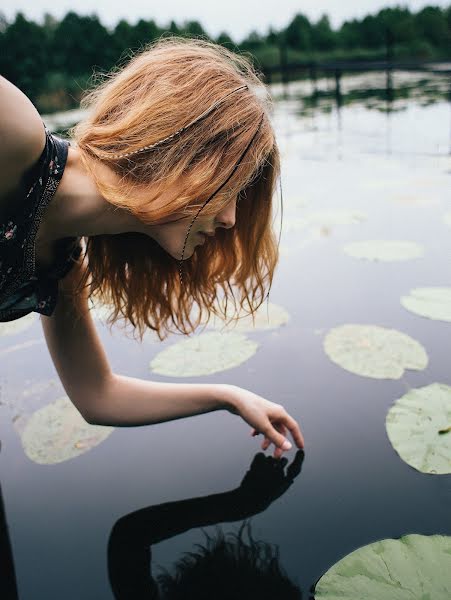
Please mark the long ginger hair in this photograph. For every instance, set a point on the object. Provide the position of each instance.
(166, 85)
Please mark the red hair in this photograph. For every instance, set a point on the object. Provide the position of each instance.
(162, 88)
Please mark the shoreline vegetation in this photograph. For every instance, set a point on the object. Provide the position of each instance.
(53, 62)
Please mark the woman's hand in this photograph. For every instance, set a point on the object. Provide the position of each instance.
(265, 417)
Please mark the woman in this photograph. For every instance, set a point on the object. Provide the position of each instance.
(183, 127)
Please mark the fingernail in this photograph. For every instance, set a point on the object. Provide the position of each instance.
(286, 445)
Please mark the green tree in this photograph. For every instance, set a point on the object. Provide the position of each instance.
(252, 42)
(350, 35)
(80, 43)
(432, 25)
(194, 28)
(122, 38)
(24, 55)
(322, 36)
(298, 34)
(143, 33)
(225, 40)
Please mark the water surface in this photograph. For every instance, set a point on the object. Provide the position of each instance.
(389, 159)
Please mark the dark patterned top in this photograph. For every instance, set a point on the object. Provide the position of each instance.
(23, 289)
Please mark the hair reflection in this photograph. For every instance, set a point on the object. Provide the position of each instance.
(226, 567)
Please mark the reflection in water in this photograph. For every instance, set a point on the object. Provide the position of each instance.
(223, 569)
(8, 585)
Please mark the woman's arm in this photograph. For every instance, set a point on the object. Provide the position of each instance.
(106, 398)
(22, 136)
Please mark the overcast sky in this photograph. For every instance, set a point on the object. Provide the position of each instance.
(237, 17)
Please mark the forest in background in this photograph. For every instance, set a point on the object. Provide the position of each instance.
(53, 62)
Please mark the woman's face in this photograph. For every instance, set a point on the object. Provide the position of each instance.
(172, 234)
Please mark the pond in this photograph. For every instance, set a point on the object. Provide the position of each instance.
(366, 168)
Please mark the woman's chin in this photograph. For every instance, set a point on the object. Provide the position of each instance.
(177, 254)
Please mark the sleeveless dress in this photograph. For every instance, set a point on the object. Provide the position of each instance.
(23, 289)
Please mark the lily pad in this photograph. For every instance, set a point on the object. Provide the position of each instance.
(373, 351)
(431, 302)
(325, 218)
(57, 432)
(384, 250)
(207, 353)
(411, 567)
(419, 428)
(18, 325)
(267, 316)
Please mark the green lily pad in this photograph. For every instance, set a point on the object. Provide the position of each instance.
(57, 432)
(373, 351)
(267, 316)
(413, 567)
(18, 325)
(324, 218)
(419, 428)
(447, 218)
(431, 302)
(384, 250)
(207, 353)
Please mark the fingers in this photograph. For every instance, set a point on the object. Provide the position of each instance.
(275, 433)
(295, 431)
(273, 436)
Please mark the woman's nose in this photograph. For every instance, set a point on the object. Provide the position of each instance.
(227, 217)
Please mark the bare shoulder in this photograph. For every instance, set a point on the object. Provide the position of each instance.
(22, 134)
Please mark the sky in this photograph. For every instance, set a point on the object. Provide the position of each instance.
(236, 17)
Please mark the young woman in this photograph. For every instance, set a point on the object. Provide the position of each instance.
(182, 128)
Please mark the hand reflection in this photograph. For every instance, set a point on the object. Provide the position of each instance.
(221, 570)
(266, 478)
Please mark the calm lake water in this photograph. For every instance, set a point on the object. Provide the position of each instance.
(390, 160)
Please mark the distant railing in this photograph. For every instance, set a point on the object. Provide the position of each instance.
(312, 68)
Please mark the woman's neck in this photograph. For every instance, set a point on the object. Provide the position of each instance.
(78, 209)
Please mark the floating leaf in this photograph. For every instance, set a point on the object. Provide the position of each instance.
(325, 218)
(204, 354)
(414, 567)
(431, 302)
(18, 325)
(57, 432)
(373, 351)
(385, 250)
(416, 424)
(267, 316)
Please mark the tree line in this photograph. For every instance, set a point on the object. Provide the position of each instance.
(53, 61)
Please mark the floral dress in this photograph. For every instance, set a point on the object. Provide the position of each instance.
(22, 288)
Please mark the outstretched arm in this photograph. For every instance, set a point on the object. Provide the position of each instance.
(107, 398)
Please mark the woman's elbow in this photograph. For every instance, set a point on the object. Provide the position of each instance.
(91, 406)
